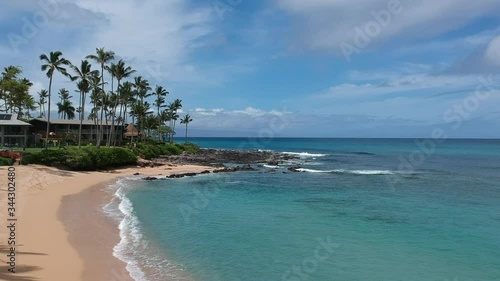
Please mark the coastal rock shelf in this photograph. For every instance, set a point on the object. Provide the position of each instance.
(223, 170)
(218, 158)
(215, 157)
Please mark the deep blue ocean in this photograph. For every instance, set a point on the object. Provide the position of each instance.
(360, 210)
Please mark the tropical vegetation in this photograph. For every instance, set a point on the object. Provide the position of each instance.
(117, 97)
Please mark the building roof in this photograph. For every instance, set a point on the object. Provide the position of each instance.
(131, 131)
(10, 119)
(69, 122)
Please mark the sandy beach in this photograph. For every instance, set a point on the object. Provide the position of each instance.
(60, 233)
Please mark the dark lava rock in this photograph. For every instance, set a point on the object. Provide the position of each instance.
(178, 176)
(175, 176)
(150, 178)
(273, 162)
(219, 156)
(245, 168)
(294, 169)
(205, 172)
(136, 174)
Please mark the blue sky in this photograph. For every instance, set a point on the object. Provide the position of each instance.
(319, 68)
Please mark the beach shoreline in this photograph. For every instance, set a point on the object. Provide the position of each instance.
(61, 228)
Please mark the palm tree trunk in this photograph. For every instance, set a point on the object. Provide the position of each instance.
(186, 133)
(102, 108)
(82, 111)
(114, 111)
(48, 116)
(101, 129)
(132, 136)
(159, 123)
(173, 132)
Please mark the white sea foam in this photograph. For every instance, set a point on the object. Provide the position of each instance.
(121, 209)
(367, 172)
(305, 154)
(133, 248)
(271, 166)
(354, 172)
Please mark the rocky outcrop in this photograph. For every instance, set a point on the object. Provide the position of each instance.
(295, 169)
(177, 176)
(215, 157)
(235, 169)
(148, 163)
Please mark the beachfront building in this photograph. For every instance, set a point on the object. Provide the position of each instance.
(13, 132)
(131, 132)
(61, 127)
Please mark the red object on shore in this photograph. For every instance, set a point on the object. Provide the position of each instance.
(13, 155)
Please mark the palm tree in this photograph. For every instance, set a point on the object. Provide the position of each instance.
(83, 74)
(120, 72)
(150, 122)
(102, 57)
(142, 88)
(51, 63)
(63, 96)
(160, 94)
(19, 96)
(167, 116)
(43, 94)
(95, 85)
(83, 87)
(126, 98)
(9, 82)
(66, 109)
(186, 120)
(29, 104)
(140, 111)
(174, 107)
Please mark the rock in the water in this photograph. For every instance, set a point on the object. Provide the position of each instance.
(150, 178)
(294, 169)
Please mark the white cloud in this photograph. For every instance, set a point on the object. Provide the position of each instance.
(396, 121)
(325, 24)
(492, 52)
(399, 84)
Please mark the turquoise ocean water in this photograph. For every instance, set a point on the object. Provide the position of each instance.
(362, 209)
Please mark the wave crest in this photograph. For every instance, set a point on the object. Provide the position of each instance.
(305, 154)
(353, 172)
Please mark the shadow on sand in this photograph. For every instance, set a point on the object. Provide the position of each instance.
(21, 269)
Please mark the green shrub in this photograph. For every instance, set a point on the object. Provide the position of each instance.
(87, 158)
(109, 156)
(6, 161)
(154, 150)
(91, 157)
(191, 147)
(78, 159)
(28, 158)
(50, 157)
